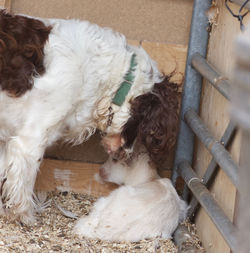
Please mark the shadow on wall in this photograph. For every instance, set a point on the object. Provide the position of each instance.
(89, 151)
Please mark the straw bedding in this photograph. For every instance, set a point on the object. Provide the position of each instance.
(53, 231)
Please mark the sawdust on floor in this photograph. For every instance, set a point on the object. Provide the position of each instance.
(53, 232)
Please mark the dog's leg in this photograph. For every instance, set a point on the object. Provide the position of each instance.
(21, 161)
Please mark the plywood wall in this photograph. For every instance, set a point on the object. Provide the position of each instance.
(165, 21)
(5, 4)
(215, 111)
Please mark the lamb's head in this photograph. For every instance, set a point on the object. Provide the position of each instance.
(134, 171)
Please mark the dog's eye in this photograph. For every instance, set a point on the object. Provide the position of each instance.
(114, 160)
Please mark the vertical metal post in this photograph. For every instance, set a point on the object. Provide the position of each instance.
(192, 86)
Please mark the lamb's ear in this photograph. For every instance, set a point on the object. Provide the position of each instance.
(154, 119)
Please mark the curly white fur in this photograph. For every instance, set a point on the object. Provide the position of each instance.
(84, 66)
(147, 206)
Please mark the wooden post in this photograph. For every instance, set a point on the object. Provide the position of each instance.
(5, 4)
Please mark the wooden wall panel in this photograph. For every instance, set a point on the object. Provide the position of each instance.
(6, 4)
(169, 57)
(73, 176)
(165, 21)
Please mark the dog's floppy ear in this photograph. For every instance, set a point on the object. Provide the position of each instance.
(22, 41)
(154, 119)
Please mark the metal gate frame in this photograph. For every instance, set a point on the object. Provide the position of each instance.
(191, 125)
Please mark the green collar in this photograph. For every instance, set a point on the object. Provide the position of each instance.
(125, 86)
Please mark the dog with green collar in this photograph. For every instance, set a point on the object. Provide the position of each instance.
(67, 79)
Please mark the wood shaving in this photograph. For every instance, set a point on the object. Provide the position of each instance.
(53, 232)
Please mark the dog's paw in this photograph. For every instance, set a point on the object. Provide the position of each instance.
(15, 204)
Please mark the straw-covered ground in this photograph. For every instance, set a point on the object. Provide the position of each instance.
(53, 231)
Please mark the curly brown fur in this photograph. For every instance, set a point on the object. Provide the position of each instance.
(154, 120)
(22, 41)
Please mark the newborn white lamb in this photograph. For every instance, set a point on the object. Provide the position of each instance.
(146, 206)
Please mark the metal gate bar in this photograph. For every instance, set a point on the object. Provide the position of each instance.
(212, 167)
(222, 158)
(218, 151)
(222, 222)
(218, 81)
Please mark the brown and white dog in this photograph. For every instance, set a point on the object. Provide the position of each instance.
(58, 79)
(145, 206)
